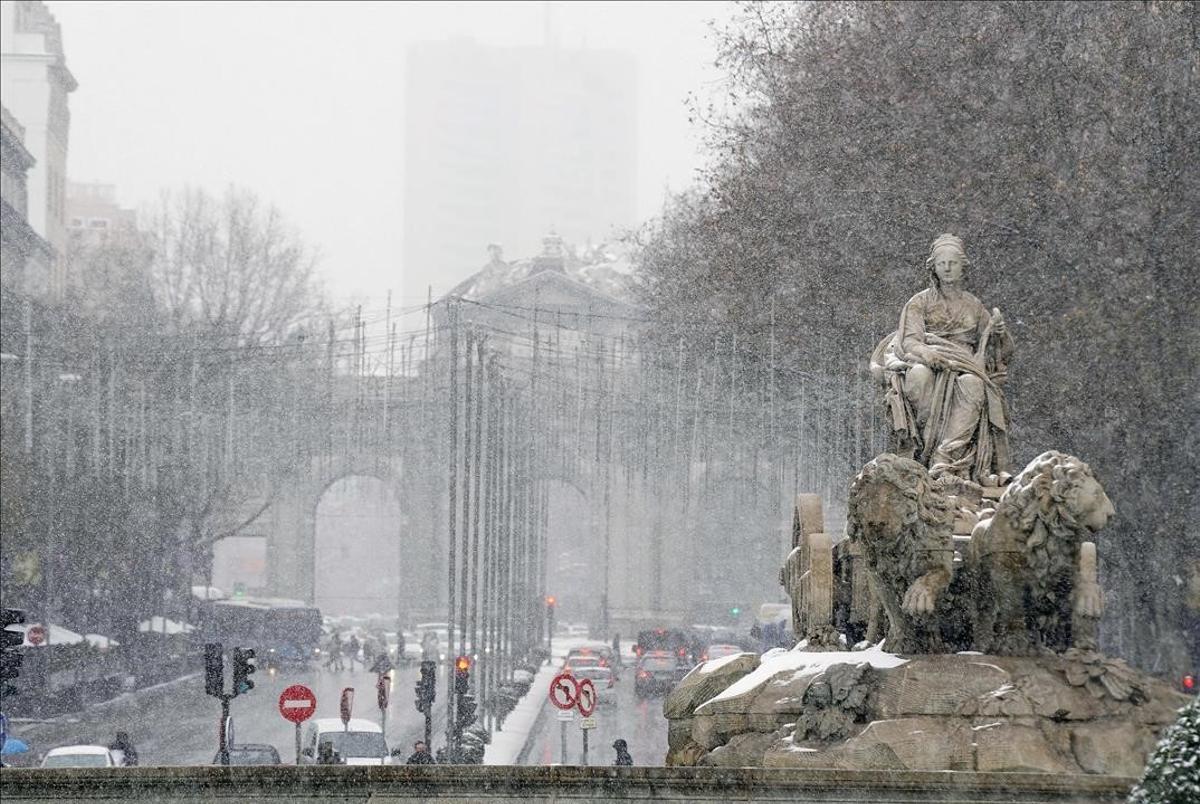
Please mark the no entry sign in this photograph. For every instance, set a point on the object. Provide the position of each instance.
(297, 703)
(564, 691)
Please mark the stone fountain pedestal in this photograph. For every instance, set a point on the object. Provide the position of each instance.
(1079, 712)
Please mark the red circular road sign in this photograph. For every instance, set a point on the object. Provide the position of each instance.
(564, 690)
(36, 634)
(587, 697)
(297, 703)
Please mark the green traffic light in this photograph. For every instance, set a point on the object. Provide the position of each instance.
(735, 611)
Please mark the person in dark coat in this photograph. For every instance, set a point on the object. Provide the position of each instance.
(327, 755)
(122, 743)
(622, 749)
(420, 754)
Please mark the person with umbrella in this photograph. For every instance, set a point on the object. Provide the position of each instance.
(11, 746)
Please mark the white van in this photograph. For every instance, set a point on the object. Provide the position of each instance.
(359, 743)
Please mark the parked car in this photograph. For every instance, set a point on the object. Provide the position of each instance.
(599, 651)
(602, 678)
(577, 662)
(80, 756)
(671, 640)
(250, 754)
(359, 743)
(655, 672)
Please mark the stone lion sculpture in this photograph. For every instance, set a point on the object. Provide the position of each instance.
(902, 520)
(1034, 573)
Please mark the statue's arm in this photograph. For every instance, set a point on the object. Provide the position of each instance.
(1000, 337)
(912, 334)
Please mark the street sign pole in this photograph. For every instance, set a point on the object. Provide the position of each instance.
(223, 738)
(564, 694)
(297, 704)
(382, 698)
(586, 703)
(346, 707)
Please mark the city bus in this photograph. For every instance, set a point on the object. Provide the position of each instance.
(281, 631)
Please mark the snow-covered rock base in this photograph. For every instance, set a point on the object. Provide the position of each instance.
(870, 710)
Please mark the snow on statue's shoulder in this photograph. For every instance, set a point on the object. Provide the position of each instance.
(806, 663)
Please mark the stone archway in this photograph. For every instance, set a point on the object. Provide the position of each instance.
(291, 524)
(357, 551)
(572, 552)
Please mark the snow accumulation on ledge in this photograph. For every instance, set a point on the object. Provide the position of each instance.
(805, 663)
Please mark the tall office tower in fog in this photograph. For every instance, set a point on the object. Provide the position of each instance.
(502, 144)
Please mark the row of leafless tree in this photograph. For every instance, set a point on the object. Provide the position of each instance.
(149, 391)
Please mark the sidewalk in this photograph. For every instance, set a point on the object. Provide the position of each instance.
(507, 746)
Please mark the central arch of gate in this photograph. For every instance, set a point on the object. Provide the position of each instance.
(291, 528)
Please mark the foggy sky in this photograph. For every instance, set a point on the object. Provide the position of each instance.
(303, 103)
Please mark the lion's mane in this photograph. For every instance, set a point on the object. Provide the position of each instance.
(926, 515)
(1039, 504)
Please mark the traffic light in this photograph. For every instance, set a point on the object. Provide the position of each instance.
(214, 669)
(426, 688)
(243, 667)
(735, 611)
(1188, 683)
(11, 658)
(466, 711)
(462, 675)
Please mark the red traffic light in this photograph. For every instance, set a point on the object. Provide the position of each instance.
(1189, 683)
(462, 664)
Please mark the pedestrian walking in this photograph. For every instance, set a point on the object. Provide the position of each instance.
(622, 749)
(420, 754)
(122, 743)
(334, 660)
(327, 755)
(430, 647)
(352, 647)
